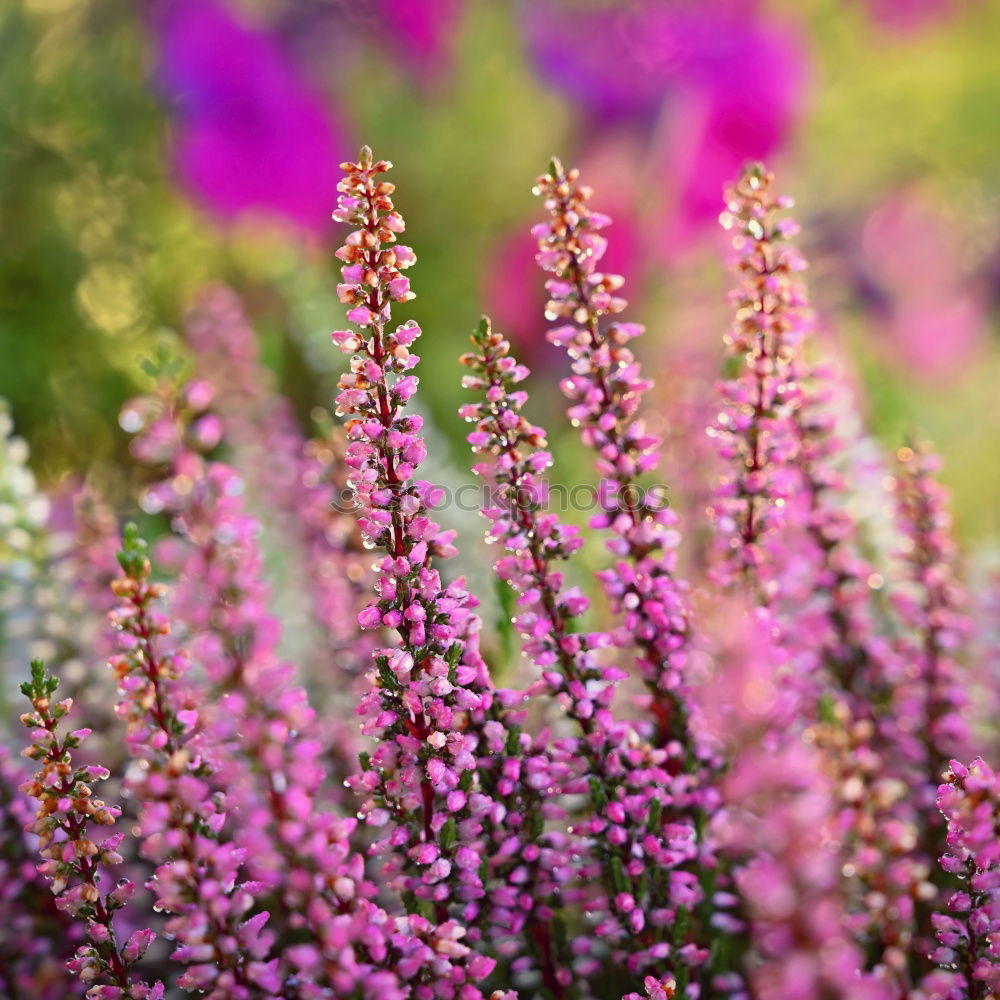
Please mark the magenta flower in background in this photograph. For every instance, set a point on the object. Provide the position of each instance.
(420, 32)
(714, 83)
(251, 134)
(932, 314)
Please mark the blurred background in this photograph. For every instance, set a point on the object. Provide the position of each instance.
(148, 149)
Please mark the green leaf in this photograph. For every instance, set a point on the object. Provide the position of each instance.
(618, 875)
(42, 683)
(448, 835)
(506, 609)
(597, 792)
(655, 812)
(827, 709)
(132, 557)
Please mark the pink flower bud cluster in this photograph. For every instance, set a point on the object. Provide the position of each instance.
(833, 594)
(777, 818)
(829, 622)
(535, 540)
(431, 705)
(605, 390)
(76, 866)
(200, 877)
(632, 787)
(754, 430)
(36, 937)
(655, 990)
(969, 933)
(930, 603)
(296, 481)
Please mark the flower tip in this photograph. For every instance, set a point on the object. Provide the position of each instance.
(755, 172)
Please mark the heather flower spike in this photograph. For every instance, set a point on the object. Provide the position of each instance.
(755, 431)
(199, 878)
(534, 539)
(969, 934)
(930, 604)
(296, 481)
(37, 938)
(421, 780)
(605, 391)
(76, 866)
(777, 822)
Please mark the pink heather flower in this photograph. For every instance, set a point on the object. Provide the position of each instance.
(619, 767)
(534, 540)
(298, 483)
(420, 33)
(777, 821)
(252, 135)
(827, 585)
(73, 862)
(969, 934)
(655, 989)
(931, 604)
(38, 937)
(605, 391)
(432, 681)
(512, 296)
(199, 878)
(852, 672)
(930, 315)
(755, 430)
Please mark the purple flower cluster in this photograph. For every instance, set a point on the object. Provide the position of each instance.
(198, 880)
(606, 390)
(715, 783)
(72, 861)
(253, 135)
(755, 431)
(431, 705)
(684, 67)
(640, 856)
(37, 938)
(970, 938)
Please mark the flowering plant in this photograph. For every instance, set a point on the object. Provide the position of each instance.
(725, 782)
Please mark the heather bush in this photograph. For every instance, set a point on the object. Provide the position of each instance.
(735, 771)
